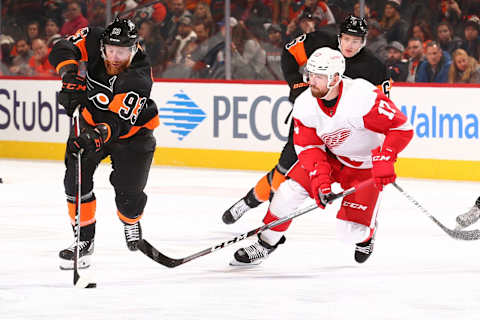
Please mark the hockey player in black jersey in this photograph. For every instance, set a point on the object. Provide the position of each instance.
(117, 119)
(360, 63)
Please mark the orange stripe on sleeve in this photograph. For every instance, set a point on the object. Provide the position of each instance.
(87, 116)
(64, 63)
(81, 44)
(298, 52)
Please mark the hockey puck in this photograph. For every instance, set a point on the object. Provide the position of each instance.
(91, 285)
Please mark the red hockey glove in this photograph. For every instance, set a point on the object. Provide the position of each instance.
(73, 93)
(90, 139)
(320, 183)
(383, 170)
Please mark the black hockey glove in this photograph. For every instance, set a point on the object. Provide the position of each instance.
(90, 139)
(73, 94)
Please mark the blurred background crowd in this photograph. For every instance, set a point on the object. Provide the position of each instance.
(419, 40)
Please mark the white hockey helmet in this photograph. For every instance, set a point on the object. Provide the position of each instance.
(325, 61)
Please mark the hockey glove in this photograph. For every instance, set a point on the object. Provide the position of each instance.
(73, 93)
(320, 183)
(383, 170)
(90, 139)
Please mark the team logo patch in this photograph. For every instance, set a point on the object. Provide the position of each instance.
(335, 138)
(181, 114)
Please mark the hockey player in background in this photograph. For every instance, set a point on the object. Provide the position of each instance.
(345, 131)
(360, 63)
(117, 119)
(470, 217)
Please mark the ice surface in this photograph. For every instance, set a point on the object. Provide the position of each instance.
(415, 272)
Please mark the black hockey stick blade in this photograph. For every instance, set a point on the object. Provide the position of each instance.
(150, 251)
(456, 234)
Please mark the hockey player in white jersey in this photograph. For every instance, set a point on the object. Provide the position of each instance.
(346, 131)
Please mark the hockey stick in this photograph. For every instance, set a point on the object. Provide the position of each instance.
(159, 257)
(456, 234)
(77, 281)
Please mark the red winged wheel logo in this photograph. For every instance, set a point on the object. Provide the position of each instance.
(335, 138)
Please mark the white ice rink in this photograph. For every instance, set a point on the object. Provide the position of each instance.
(415, 272)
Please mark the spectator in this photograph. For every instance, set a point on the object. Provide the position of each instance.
(33, 31)
(39, 61)
(415, 53)
(184, 35)
(273, 48)
(435, 68)
(376, 41)
(202, 12)
(175, 10)
(248, 57)
(445, 37)
(420, 30)
(471, 44)
(155, 12)
(6, 47)
(254, 14)
(464, 69)
(280, 11)
(192, 63)
(20, 63)
(320, 11)
(154, 45)
(52, 32)
(395, 64)
(450, 12)
(97, 14)
(366, 8)
(393, 25)
(303, 23)
(74, 19)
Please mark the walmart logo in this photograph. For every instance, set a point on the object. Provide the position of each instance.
(181, 114)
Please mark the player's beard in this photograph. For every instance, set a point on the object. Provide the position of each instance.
(115, 69)
(318, 93)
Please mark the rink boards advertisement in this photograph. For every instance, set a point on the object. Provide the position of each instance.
(241, 125)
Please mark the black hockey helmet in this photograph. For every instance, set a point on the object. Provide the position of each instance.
(121, 32)
(354, 26)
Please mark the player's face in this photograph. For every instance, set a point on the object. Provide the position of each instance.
(318, 84)
(349, 45)
(117, 58)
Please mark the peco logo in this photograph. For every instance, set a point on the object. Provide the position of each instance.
(181, 114)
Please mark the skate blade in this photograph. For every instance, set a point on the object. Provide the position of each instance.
(83, 263)
(235, 263)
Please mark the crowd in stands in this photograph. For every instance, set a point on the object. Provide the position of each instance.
(419, 40)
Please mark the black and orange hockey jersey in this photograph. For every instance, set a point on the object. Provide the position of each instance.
(119, 100)
(295, 54)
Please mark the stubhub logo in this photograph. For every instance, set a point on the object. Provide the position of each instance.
(182, 114)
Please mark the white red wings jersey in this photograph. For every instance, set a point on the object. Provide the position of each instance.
(358, 123)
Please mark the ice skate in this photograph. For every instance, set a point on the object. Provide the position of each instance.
(236, 211)
(133, 233)
(66, 255)
(255, 253)
(363, 250)
(470, 217)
